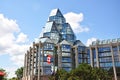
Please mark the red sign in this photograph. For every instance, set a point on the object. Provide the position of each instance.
(48, 59)
(2, 73)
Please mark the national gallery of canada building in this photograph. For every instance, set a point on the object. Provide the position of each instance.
(58, 48)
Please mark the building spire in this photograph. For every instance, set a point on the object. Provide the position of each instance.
(56, 16)
(53, 12)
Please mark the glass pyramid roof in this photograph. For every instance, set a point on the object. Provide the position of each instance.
(57, 29)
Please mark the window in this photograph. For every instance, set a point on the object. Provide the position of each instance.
(48, 46)
(105, 59)
(47, 70)
(81, 49)
(104, 49)
(45, 64)
(66, 54)
(66, 47)
(66, 59)
(66, 64)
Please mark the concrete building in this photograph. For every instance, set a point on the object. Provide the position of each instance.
(58, 48)
(105, 54)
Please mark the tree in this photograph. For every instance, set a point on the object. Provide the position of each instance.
(82, 72)
(14, 78)
(85, 72)
(19, 73)
(61, 74)
(111, 72)
(101, 74)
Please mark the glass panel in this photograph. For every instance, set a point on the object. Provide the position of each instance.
(64, 36)
(47, 70)
(103, 49)
(114, 48)
(59, 19)
(48, 52)
(105, 59)
(46, 64)
(88, 56)
(118, 39)
(46, 34)
(81, 49)
(66, 54)
(66, 64)
(106, 65)
(66, 59)
(48, 46)
(66, 47)
(105, 54)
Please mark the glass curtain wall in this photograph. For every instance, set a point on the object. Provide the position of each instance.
(105, 57)
(88, 55)
(67, 33)
(58, 17)
(47, 50)
(116, 59)
(82, 57)
(94, 57)
(66, 57)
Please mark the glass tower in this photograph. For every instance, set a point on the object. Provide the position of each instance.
(60, 34)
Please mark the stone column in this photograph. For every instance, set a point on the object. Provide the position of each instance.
(30, 63)
(33, 49)
(24, 65)
(113, 62)
(59, 57)
(39, 61)
(97, 59)
(91, 57)
(76, 57)
(42, 71)
(118, 50)
(27, 62)
(24, 68)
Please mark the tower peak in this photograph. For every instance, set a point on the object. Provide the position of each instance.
(56, 16)
(54, 12)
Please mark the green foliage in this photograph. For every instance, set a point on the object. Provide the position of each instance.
(19, 72)
(59, 75)
(82, 72)
(111, 72)
(1, 69)
(14, 78)
(62, 74)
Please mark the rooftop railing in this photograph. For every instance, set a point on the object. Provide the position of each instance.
(106, 41)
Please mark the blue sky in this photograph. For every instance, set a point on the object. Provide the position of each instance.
(21, 22)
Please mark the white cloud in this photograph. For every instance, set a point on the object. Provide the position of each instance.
(75, 20)
(17, 53)
(89, 41)
(10, 71)
(21, 38)
(7, 25)
(12, 44)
